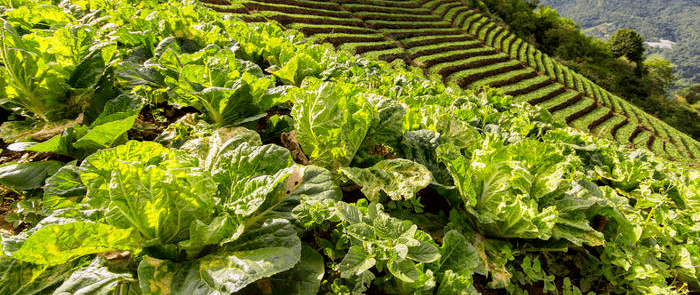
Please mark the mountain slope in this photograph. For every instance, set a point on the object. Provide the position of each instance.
(452, 40)
(675, 21)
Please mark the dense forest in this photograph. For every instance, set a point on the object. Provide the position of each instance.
(674, 20)
(658, 81)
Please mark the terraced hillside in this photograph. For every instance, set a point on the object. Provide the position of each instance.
(451, 40)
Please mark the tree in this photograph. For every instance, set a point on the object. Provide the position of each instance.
(659, 72)
(691, 94)
(628, 43)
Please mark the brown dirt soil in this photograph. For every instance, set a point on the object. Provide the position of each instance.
(455, 57)
(466, 81)
(435, 5)
(548, 96)
(376, 47)
(480, 283)
(444, 49)
(314, 5)
(389, 10)
(339, 40)
(352, 193)
(217, 2)
(601, 120)
(565, 104)
(8, 197)
(463, 22)
(399, 18)
(515, 50)
(502, 42)
(687, 148)
(448, 8)
(490, 30)
(650, 142)
(309, 31)
(239, 10)
(513, 80)
(414, 25)
(435, 41)
(478, 26)
(531, 88)
(394, 56)
(635, 133)
(614, 130)
(295, 9)
(286, 20)
(405, 5)
(581, 113)
(433, 202)
(405, 35)
(147, 127)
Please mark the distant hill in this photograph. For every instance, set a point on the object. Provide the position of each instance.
(663, 23)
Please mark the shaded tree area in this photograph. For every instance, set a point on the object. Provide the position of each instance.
(617, 64)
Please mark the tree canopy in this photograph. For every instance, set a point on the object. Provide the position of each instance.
(627, 43)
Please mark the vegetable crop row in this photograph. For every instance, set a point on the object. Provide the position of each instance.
(424, 40)
(287, 167)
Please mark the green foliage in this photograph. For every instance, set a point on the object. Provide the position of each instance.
(397, 178)
(51, 84)
(332, 122)
(660, 71)
(627, 43)
(381, 241)
(630, 78)
(230, 84)
(691, 94)
(27, 176)
(453, 183)
(656, 21)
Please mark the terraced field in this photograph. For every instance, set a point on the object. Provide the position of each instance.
(453, 41)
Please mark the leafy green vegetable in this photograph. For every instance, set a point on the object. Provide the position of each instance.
(331, 123)
(379, 239)
(59, 243)
(260, 253)
(505, 186)
(26, 278)
(27, 176)
(228, 90)
(218, 207)
(246, 161)
(420, 146)
(398, 178)
(108, 130)
(96, 279)
(457, 255)
(64, 188)
(51, 83)
(296, 69)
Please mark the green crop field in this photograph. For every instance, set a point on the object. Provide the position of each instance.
(342, 147)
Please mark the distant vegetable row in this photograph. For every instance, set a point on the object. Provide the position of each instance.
(452, 40)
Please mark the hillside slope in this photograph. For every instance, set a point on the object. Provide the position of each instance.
(675, 21)
(229, 157)
(452, 40)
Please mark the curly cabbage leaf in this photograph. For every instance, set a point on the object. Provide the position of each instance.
(331, 123)
(400, 179)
